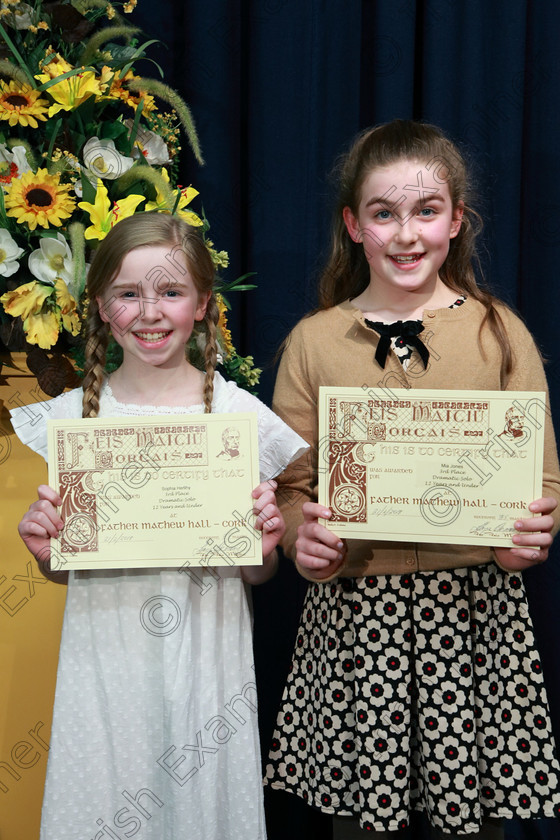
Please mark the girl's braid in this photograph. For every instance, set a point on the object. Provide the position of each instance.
(97, 339)
(211, 351)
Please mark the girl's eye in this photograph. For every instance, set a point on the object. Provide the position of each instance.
(382, 215)
(426, 212)
(128, 295)
(171, 293)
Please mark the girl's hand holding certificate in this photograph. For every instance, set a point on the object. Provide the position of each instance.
(319, 551)
(536, 536)
(270, 521)
(41, 522)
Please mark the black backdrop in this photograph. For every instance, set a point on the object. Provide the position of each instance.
(278, 88)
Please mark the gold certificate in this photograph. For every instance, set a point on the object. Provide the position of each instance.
(453, 467)
(155, 491)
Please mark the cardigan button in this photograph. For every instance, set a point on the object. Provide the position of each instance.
(430, 314)
(410, 561)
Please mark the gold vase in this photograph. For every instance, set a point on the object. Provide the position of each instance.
(31, 610)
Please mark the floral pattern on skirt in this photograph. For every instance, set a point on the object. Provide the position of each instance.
(418, 692)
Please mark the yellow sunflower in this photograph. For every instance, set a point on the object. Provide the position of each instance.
(21, 105)
(38, 198)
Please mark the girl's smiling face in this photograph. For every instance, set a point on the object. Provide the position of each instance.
(405, 220)
(152, 305)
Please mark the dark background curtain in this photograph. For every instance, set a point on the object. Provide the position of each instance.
(278, 88)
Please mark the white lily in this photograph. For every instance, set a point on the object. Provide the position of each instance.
(150, 145)
(10, 252)
(13, 163)
(20, 17)
(102, 160)
(51, 260)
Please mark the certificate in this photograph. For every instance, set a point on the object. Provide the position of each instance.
(417, 465)
(155, 491)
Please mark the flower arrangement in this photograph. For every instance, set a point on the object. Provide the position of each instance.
(85, 141)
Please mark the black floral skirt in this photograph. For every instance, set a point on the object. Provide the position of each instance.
(418, 692)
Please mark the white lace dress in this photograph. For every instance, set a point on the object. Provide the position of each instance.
(155, 718)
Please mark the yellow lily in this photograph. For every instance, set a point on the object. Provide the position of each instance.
(103, 216)
(26, 300)
(187, 194)
(69, 315)
(42, 329)
(55, 67)
(43, 309)
(223, 329)
(71, 92)
(115, 88)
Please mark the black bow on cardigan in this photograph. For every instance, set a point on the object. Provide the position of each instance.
(407, 330)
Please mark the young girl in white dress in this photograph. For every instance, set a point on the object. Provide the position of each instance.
(155, 726)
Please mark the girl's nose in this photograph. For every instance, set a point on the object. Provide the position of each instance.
(149, 309)
(407, 230)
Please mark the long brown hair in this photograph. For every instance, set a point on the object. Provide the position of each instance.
(139, 231)
(346, 273)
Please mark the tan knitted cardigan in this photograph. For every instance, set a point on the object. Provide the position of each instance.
(335, 347)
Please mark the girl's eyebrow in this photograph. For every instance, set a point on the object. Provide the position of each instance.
(390, 203)
(432, 197)
(380, 200)
(132, 284)
(162, 284)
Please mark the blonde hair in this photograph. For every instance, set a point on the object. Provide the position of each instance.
(140, 231)
(346, 273)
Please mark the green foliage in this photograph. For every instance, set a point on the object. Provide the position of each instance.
(86, 116)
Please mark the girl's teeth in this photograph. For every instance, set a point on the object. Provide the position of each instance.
(151, 336)
(411, 258)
